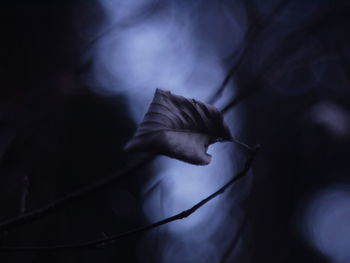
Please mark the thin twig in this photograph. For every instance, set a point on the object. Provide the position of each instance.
(79, 194)
(152, 9)
(273, 70)
(244, 48)
(74, 196)
(110, 240)
(242, 144)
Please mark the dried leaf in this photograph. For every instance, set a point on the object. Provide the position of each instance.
(179, 128)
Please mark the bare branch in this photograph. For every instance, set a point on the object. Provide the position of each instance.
(74, 196)
(147, 13)
(110, 240)
(244, 47)
(131, 21)
(81, 193)
(242, 144)
(273, 71)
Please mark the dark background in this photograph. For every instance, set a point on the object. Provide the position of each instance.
(57, 135)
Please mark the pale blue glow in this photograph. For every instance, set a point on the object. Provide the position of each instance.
(327, 223)
(156, 55)
(165, 52)
(185, 184)
(120, 10)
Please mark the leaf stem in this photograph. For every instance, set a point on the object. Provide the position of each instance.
(246, 146)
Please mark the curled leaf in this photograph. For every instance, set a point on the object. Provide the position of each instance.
(179, 128)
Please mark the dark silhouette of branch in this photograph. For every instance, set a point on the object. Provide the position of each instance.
(30, 216)
(110, 240)
(68, 199)
(272, 71)
(149, 11)
(243, 145)
(74, 196)
(275, 68)
(45, 210)
(244, 48)
(131, 21)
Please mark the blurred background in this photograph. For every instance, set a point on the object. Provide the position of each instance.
(78, 76)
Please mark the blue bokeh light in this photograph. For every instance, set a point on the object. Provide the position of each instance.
(168, 51)
(327, 222)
